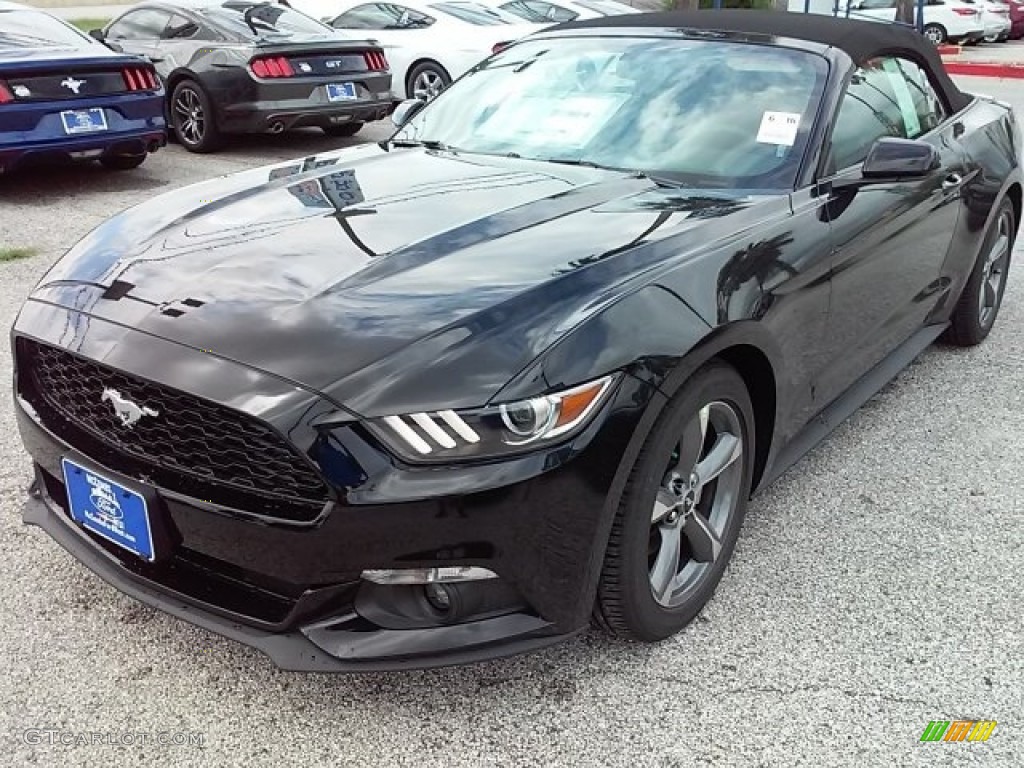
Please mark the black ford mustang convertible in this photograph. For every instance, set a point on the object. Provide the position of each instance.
(458, 394)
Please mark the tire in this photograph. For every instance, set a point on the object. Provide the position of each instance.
(978, 307)
(193, 119)
(122, 162)
(654, 511)
(936, 33)
(345, 130)
(429, 78)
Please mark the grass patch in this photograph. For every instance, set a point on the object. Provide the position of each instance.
(86, 24)
(13, 254)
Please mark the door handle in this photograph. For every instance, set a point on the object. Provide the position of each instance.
(952, 181)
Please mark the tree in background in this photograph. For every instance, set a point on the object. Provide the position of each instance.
(690, 5)
(905, 10)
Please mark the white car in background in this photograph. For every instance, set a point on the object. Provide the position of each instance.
(952, 21)
(544, 12)
(428, 44)
(995, 17)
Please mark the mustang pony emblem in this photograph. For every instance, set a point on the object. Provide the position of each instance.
(127, 411)
(72, 85)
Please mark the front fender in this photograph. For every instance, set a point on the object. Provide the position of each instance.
(645, 334)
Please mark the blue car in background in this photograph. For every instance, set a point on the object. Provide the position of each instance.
(62, 94)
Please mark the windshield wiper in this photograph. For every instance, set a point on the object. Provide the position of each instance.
(661, 181)
(574, 161)
(426, 143)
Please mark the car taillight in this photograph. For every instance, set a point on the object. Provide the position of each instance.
(6, 97)
(966, 12)
(140, 79)
(500, 47)
(375, 61)
(272, 66)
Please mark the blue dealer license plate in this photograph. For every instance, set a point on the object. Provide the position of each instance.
(84, 121)
(108, 509)
(341, 91)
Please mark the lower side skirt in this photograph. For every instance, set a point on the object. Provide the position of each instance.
(844, 406)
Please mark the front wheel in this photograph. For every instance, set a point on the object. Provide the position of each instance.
(976, 311)
(682, 509)
(936, 33)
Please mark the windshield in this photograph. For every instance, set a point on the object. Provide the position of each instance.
(471, 13)
(697, 112)
(261, 20)
(29, 29)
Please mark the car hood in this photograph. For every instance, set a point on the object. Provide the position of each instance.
(365, 273)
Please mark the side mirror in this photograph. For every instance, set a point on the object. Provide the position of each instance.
(97, 35)
(405, 110)
(892, 158)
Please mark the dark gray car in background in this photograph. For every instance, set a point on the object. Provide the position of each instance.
(244, 66)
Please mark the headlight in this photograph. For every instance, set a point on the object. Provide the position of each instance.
(492, 431)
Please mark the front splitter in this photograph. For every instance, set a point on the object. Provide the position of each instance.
(382, 650)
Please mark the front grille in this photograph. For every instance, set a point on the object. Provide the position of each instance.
(193, 446)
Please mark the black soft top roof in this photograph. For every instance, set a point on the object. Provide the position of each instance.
(861, 40)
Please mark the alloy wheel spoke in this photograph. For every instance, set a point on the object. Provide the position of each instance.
(692, 443)
(666, 565)
(704, 542)
(726, 450)
(999, 250)
(664, 503)
(989, 294)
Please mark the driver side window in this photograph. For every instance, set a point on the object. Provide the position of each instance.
(143, 24)
(180, 28)
(382, 16)
(888, 96)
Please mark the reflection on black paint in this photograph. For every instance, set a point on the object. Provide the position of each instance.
(697, 206)
(336, 191)
(594, 258)
(310, 163)
(759, 262)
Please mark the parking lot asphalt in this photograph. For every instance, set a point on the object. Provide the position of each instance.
(875, 587)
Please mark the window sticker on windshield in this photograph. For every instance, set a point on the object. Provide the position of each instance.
(904, 98)
(779, 128)
(572, 120)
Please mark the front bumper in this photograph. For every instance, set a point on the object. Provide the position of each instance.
(293, 589)
(339, 649)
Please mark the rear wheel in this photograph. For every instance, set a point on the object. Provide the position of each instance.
(122, 162)
(682, 510)
(936, 33)
(976, 311)
(426, 80)
(192, 118)
(344, 130)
